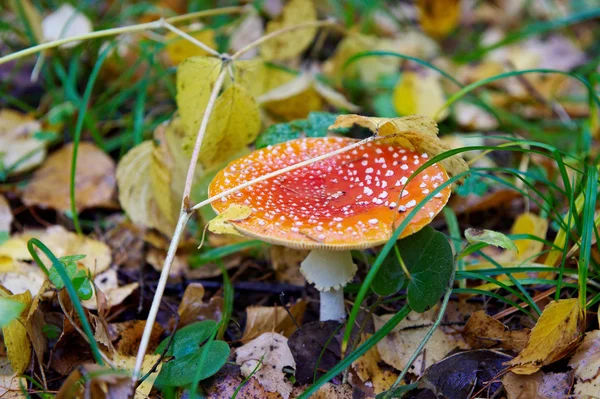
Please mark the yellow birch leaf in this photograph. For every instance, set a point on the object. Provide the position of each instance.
(556, 332)
(368, 369)
(18, 346)
(438, 17)
(135, 189)
(415, 132)
(195, 79)
(234, 123)
(252, 75)
(220, 224)
(417, 94)
(127, 363)
(178, 48)
(290, 44)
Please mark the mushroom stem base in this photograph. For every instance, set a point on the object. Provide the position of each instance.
(332, 305)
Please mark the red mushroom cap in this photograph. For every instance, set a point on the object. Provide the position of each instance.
(349, 201)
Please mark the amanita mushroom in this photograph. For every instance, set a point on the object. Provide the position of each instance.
(353, 200)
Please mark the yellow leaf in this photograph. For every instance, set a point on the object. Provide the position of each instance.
(20, 151)
(416, 132)
(195, 78)
(178, 48)
(417, 94)
(6, 216)
(234, 123)
(368, 369)
(262, 319)
(220, 224)
(290, 44)
(127, 363)
(438, 17)
(556, 332)
(18, 346)
(135, 189)
(529, 223)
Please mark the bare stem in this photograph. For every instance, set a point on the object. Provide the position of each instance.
(280, 172)
(191, 39)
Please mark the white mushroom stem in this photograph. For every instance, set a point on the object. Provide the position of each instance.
(329, 271)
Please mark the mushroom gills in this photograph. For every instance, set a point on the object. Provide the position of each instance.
(329, 271)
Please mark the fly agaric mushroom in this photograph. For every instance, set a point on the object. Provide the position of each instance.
(353, 200)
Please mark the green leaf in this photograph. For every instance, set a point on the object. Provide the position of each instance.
(4, 236)
(428, 257)
(82, 285)
(473, 184)
(9, 310)
(188, 339)
(182, 370)
(490, 237)
(70, 268)
(71, 258)
(390, 277)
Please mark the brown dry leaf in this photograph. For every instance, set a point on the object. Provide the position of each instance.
(6, 217)
(228, 380)
(418, 93)
(556, 332)
(10, 382)
(94, 180)
(178, 49)
(586, 363)
(192, 308)
(290, 44)
(271, 354)
(126, 336)
(414, 132)
(20, 150)
(262, 319)
(332, 391)
(18, 346)
(108, 283)
(538, 385)
(286, 263)
(439, 17)
(368, 370)
(100, 383)
(483, 331)
(400, 344)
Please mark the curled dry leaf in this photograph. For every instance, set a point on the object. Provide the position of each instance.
(192, 307)
(18, 345)
(20, 150)
(586, 363)
(369, 371)
(418, 133)
(66, 21)
(290, 44)
(422, 94)
(270, 353)
(262, 319)
(483, 331)
(6, 218)
(178, 49)
(94, 180)
(107, 282)
(555, 334)
(538, 385)
(400, 344)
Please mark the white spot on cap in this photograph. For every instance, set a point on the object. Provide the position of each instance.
(373, 221)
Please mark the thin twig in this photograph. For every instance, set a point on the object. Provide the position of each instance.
(191, 39)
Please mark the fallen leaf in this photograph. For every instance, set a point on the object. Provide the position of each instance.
(20, 149)
(439, 17)
(400, 344)
(290, 44)
(474, 117)
(66, 21)
(332, 391)
(286, 263)
(422, 94)
(11, 384)
(94, 180)
(262, 319)
(126, 336)
(127, 363)
(100, 382)
(415, 132)
(234, 123)
(6, 218)
(586, 363)
(192, 308)
(368, 370)
(107, 282)
(18, 346)
(178, 49)
(483, 331)
(135, 189)
(249, 30)
(538, 385)
(228, 380)
(220, 224)
(31, 14)
(195, 79)
(556, 332)
(271, 354)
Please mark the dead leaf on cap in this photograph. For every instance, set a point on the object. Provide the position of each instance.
(400, 344)
(415, 132)
(539, 385)
(290, 44)
(483, 331)
(270, 353)
(18, 345)
(6, 218)
(10, 382)
(20, 150)
(262, 319)
(586, 363)
(368, 370)
(556, 332)
(220, 224)
(94, 180)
